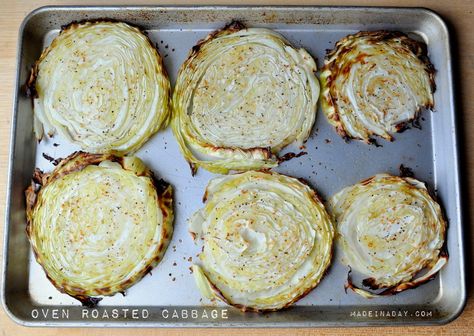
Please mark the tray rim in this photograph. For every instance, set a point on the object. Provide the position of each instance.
(176, 324)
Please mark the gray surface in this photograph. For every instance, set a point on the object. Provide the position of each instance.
(330, 165)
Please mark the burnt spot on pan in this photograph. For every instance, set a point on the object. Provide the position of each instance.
(53, 161)
(406, 171)
(291, 155)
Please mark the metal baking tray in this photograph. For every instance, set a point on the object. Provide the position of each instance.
(169, 297)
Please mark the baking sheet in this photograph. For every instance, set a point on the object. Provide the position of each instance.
(331, 164)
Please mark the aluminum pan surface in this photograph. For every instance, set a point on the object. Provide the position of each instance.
(330, 165)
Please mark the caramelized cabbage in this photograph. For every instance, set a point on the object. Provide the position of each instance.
(389, 229)
(267, 240)
(98, 223)
(375, 83)
(102, 86)
(241, 96)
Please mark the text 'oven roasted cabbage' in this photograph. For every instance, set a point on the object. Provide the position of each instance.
(102, 86)
(266, 240)
(241, 96)
(389, 229)
(98, 223)
(376, 83)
